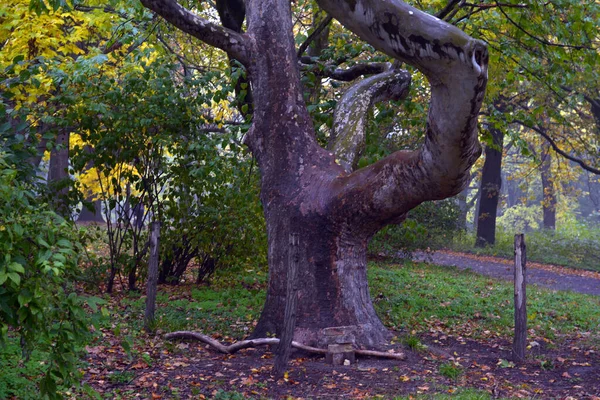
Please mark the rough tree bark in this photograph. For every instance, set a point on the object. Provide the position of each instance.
(489, 194)
(336, 212)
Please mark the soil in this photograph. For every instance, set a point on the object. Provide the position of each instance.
(190, 370)
(549, 276)
(443, 363)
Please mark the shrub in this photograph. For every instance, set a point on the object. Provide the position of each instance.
(38, 301)
(429, 225)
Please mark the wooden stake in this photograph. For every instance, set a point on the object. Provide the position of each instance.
(151, 285)
(520, 337)
(291, 304)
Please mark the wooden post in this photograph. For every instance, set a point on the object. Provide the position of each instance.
(151, 285)
(291, 304)
(520, 338)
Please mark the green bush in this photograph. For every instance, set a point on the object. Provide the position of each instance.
(430, 225)
(38, 301)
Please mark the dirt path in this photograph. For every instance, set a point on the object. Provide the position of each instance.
(549, 276)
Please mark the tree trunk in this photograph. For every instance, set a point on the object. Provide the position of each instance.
(333, 274)
(491, 183)
(58, 173)
(152, 284)
(88, 215)
(549, 194)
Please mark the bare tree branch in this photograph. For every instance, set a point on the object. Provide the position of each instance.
(537, 39)
(350, 118)
(244, 344)
(215, 35)
(345, 74)
(542, 133)
(314, 35)
(450, 8)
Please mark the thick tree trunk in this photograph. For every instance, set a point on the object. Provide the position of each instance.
(549, 194)
(491, 183)
(333, 288)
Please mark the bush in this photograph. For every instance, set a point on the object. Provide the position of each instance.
(38, 301)
(430, 225)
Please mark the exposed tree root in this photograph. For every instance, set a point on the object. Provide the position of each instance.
(244, 344)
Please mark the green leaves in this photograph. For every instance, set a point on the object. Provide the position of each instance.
(38, 268)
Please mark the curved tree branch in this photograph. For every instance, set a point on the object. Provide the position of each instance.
(351, 113)
(456, 66)
(244, 344)
(232, 42)
(557, 149)
(314, 35)
(347, 74)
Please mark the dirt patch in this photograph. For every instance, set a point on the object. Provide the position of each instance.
(190, 370)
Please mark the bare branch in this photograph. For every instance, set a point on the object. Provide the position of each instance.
(314, 35)
(537, 39)
(244, 344)
(557, 149)
(225, 39)
(350, 118)
(450, 8)
(347, 74)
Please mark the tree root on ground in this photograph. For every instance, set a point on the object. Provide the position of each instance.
(244, 344)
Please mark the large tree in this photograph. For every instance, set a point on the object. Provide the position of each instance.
(334, 210)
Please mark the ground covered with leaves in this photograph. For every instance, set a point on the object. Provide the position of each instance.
(454, 327)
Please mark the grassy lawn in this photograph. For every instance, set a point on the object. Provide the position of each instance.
(418, 297)
(412, 298)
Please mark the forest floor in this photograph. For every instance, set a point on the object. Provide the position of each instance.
(443, 361)
(550, 276)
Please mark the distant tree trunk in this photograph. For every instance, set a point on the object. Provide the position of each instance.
(152, 283)
(549, 194)
(88, 215)
(58, 174)
(461, 200)
(513, 192)
(491, 183)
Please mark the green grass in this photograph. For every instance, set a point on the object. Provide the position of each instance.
(18, 378)
(460, 394)
(410, 297)
(227, 307)
(576, 249)
(417, 297)
(450, 370)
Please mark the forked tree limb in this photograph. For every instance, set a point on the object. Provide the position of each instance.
(348, 136)
(456, 67)
(244, 344)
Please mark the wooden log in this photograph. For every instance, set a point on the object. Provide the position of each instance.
(151, 285)
(291, 304)
(520, 336)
